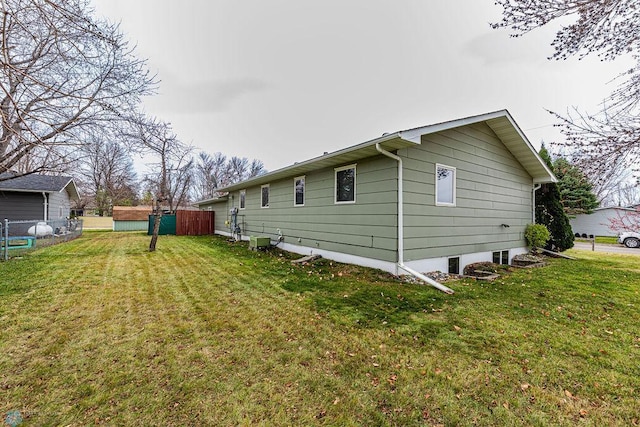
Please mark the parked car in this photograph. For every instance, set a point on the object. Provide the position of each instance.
(630, 239)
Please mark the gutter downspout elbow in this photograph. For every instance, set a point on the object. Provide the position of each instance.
(400, 263)
(426, 279)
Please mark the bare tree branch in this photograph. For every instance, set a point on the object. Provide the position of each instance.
(63, 74)
(608, 29)
(217, 171)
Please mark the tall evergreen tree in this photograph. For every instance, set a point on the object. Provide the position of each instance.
(549, 211)
(576, 192)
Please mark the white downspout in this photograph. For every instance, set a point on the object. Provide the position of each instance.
(46, 205)
(401, 227)
(533, 202)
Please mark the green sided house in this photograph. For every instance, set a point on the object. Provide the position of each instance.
(436, 197)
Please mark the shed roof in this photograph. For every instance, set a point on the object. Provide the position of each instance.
(500, 122)
(37, 183)
(617, 208)
(132, 213)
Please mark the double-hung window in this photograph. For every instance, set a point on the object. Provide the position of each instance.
(243, 198)
(345, 179)
(445, 185)
(264, 196)
(298, 191)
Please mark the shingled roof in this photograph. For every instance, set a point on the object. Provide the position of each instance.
(36, 183)
(500, 122)
(132, 213)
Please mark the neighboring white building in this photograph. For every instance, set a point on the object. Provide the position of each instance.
(601, 221)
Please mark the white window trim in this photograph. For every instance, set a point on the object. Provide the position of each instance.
(245, 199)
(502, 251)
(335, 184)
(261, 200)
(455, 179)
(304, 190)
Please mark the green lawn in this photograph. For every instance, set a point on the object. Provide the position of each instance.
(203, 332)
(613, 240)
(604, 239)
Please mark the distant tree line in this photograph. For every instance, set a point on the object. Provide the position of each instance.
(107, 177)
(71, 88)
(70, 103)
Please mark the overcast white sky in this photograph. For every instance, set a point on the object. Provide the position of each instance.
(286, 80)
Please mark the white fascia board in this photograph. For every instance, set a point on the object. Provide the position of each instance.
(532, 149)
(210, 201)
(346, 155)
(397, 140)
(620, 208)
(415, 134)
(439, 127)
(22, 190)
(64, 188)
(74, 188)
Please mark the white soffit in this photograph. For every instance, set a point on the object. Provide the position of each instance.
(518, 144)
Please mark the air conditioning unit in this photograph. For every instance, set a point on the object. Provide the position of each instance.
(259, 242)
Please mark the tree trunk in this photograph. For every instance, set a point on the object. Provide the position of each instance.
(157, 217)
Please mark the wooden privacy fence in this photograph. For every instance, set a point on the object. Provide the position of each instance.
(194, 223)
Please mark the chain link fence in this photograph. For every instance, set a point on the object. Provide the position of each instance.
(17, 237)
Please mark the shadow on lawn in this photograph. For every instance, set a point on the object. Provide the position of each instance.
(366, 297)
(349, 294)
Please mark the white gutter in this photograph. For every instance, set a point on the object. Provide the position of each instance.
(300, 168)
(533, 202)
(401, 227)
(46, 205)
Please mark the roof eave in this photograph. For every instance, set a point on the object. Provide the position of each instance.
(348, 155)
(74, 193)
(520, 147)
(500, 122)
(210, 201)
(544, 180)
(510, 134)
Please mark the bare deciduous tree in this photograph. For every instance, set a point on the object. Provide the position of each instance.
(217, 171)
(256, 167)
(62, 72)
(210, 174)
(608, 29)
(614, 185)
(179, 177)
(171, 174)
(627, 196)
(108, 170)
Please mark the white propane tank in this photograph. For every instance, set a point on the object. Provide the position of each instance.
(40, 230)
